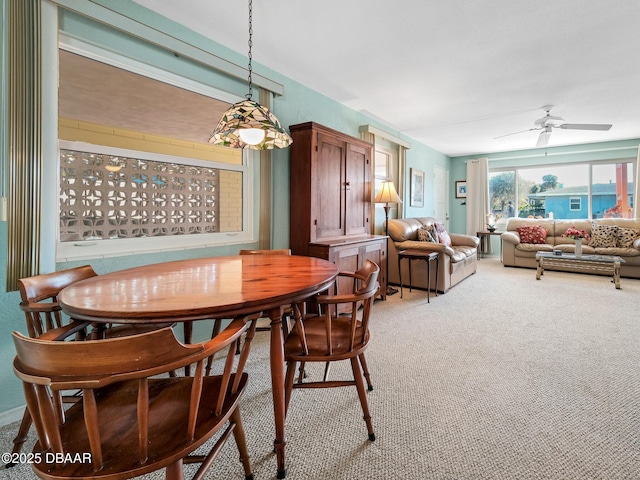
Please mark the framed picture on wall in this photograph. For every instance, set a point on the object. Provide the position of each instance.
(461, 189)
(417, 188)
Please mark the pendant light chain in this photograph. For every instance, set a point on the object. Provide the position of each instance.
(250, 94)
(247, 124)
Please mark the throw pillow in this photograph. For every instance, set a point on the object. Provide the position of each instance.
(603, 236)
(443, 235)
(532, 234)
(425, 234)
(626, 237)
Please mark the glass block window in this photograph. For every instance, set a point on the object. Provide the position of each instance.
(104, 197)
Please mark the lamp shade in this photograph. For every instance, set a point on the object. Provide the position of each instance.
(387, 193)
(249, 115)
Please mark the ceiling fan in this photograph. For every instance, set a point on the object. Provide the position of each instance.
(547, 123)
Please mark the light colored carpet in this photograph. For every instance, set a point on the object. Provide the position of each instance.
(503, 377)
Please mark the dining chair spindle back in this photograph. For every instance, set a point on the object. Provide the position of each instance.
(331, 336)
(131, 420)
(44, 318)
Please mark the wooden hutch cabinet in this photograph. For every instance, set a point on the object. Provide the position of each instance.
(331, 202)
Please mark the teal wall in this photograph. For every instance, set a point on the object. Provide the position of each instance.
(591, 152)
(298, 104)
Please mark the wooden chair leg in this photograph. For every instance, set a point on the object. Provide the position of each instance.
(288, 384)
(365, 369)
(301, 374)
(327, 369)
(21, 437)
(362, 394)
(241, 442)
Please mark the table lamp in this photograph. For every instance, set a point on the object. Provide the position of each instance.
(387, 195)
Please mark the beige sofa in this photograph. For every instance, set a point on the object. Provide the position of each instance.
(455, 263)
(518, 254)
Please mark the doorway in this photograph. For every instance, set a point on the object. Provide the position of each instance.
(441, 195)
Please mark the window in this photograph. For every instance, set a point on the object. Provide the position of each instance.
(502, 193)
(575, 204)
(579, 190)
(166, 188)
(612, 190)
(382, 167)
(109, 196)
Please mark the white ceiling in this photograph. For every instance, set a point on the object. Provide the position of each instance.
(450, 74)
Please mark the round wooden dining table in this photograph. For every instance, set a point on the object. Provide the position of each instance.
(207, 288)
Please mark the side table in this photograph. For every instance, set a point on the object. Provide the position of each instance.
(419, 255)
(485, 242)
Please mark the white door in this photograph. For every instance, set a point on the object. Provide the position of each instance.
(441, 194)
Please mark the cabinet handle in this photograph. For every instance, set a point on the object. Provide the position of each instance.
(347, 185)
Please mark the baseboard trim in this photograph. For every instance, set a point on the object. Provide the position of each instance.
(12, 415)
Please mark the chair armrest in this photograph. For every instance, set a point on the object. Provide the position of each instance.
(61, 333)
(511, 237)
(466, 240)
(39, 307)
(351, 275)
(636, 243)
(425, 246)
(417, 245)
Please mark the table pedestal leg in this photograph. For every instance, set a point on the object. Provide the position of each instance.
(277, 385)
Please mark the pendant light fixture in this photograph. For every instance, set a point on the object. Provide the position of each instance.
(247, 124)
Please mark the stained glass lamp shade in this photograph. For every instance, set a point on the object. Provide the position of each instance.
(250, 116)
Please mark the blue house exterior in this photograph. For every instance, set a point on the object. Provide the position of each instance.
(573, 202)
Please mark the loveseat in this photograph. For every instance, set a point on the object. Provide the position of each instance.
(622, 234)
(455, 262)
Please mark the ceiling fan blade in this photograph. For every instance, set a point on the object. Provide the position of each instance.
(543, 138)
(515, 133)
(585, 126)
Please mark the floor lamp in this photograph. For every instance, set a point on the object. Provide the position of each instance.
(387, 194)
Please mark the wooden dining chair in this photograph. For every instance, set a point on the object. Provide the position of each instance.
(39, 302)
(45, 320)
(132, 421)
(330, 336)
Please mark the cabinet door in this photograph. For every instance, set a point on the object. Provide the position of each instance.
(357, 191)
(328, 181)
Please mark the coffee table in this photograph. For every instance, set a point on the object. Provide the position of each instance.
(587, 263)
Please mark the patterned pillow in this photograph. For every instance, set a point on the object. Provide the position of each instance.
(443, 235)
(426, 234)
(626, 237)
(603, 236)
(532, 234)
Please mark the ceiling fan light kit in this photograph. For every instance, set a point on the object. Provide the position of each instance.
(547, 123)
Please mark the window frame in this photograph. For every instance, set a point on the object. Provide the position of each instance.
(69, 251)
(572, 203)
